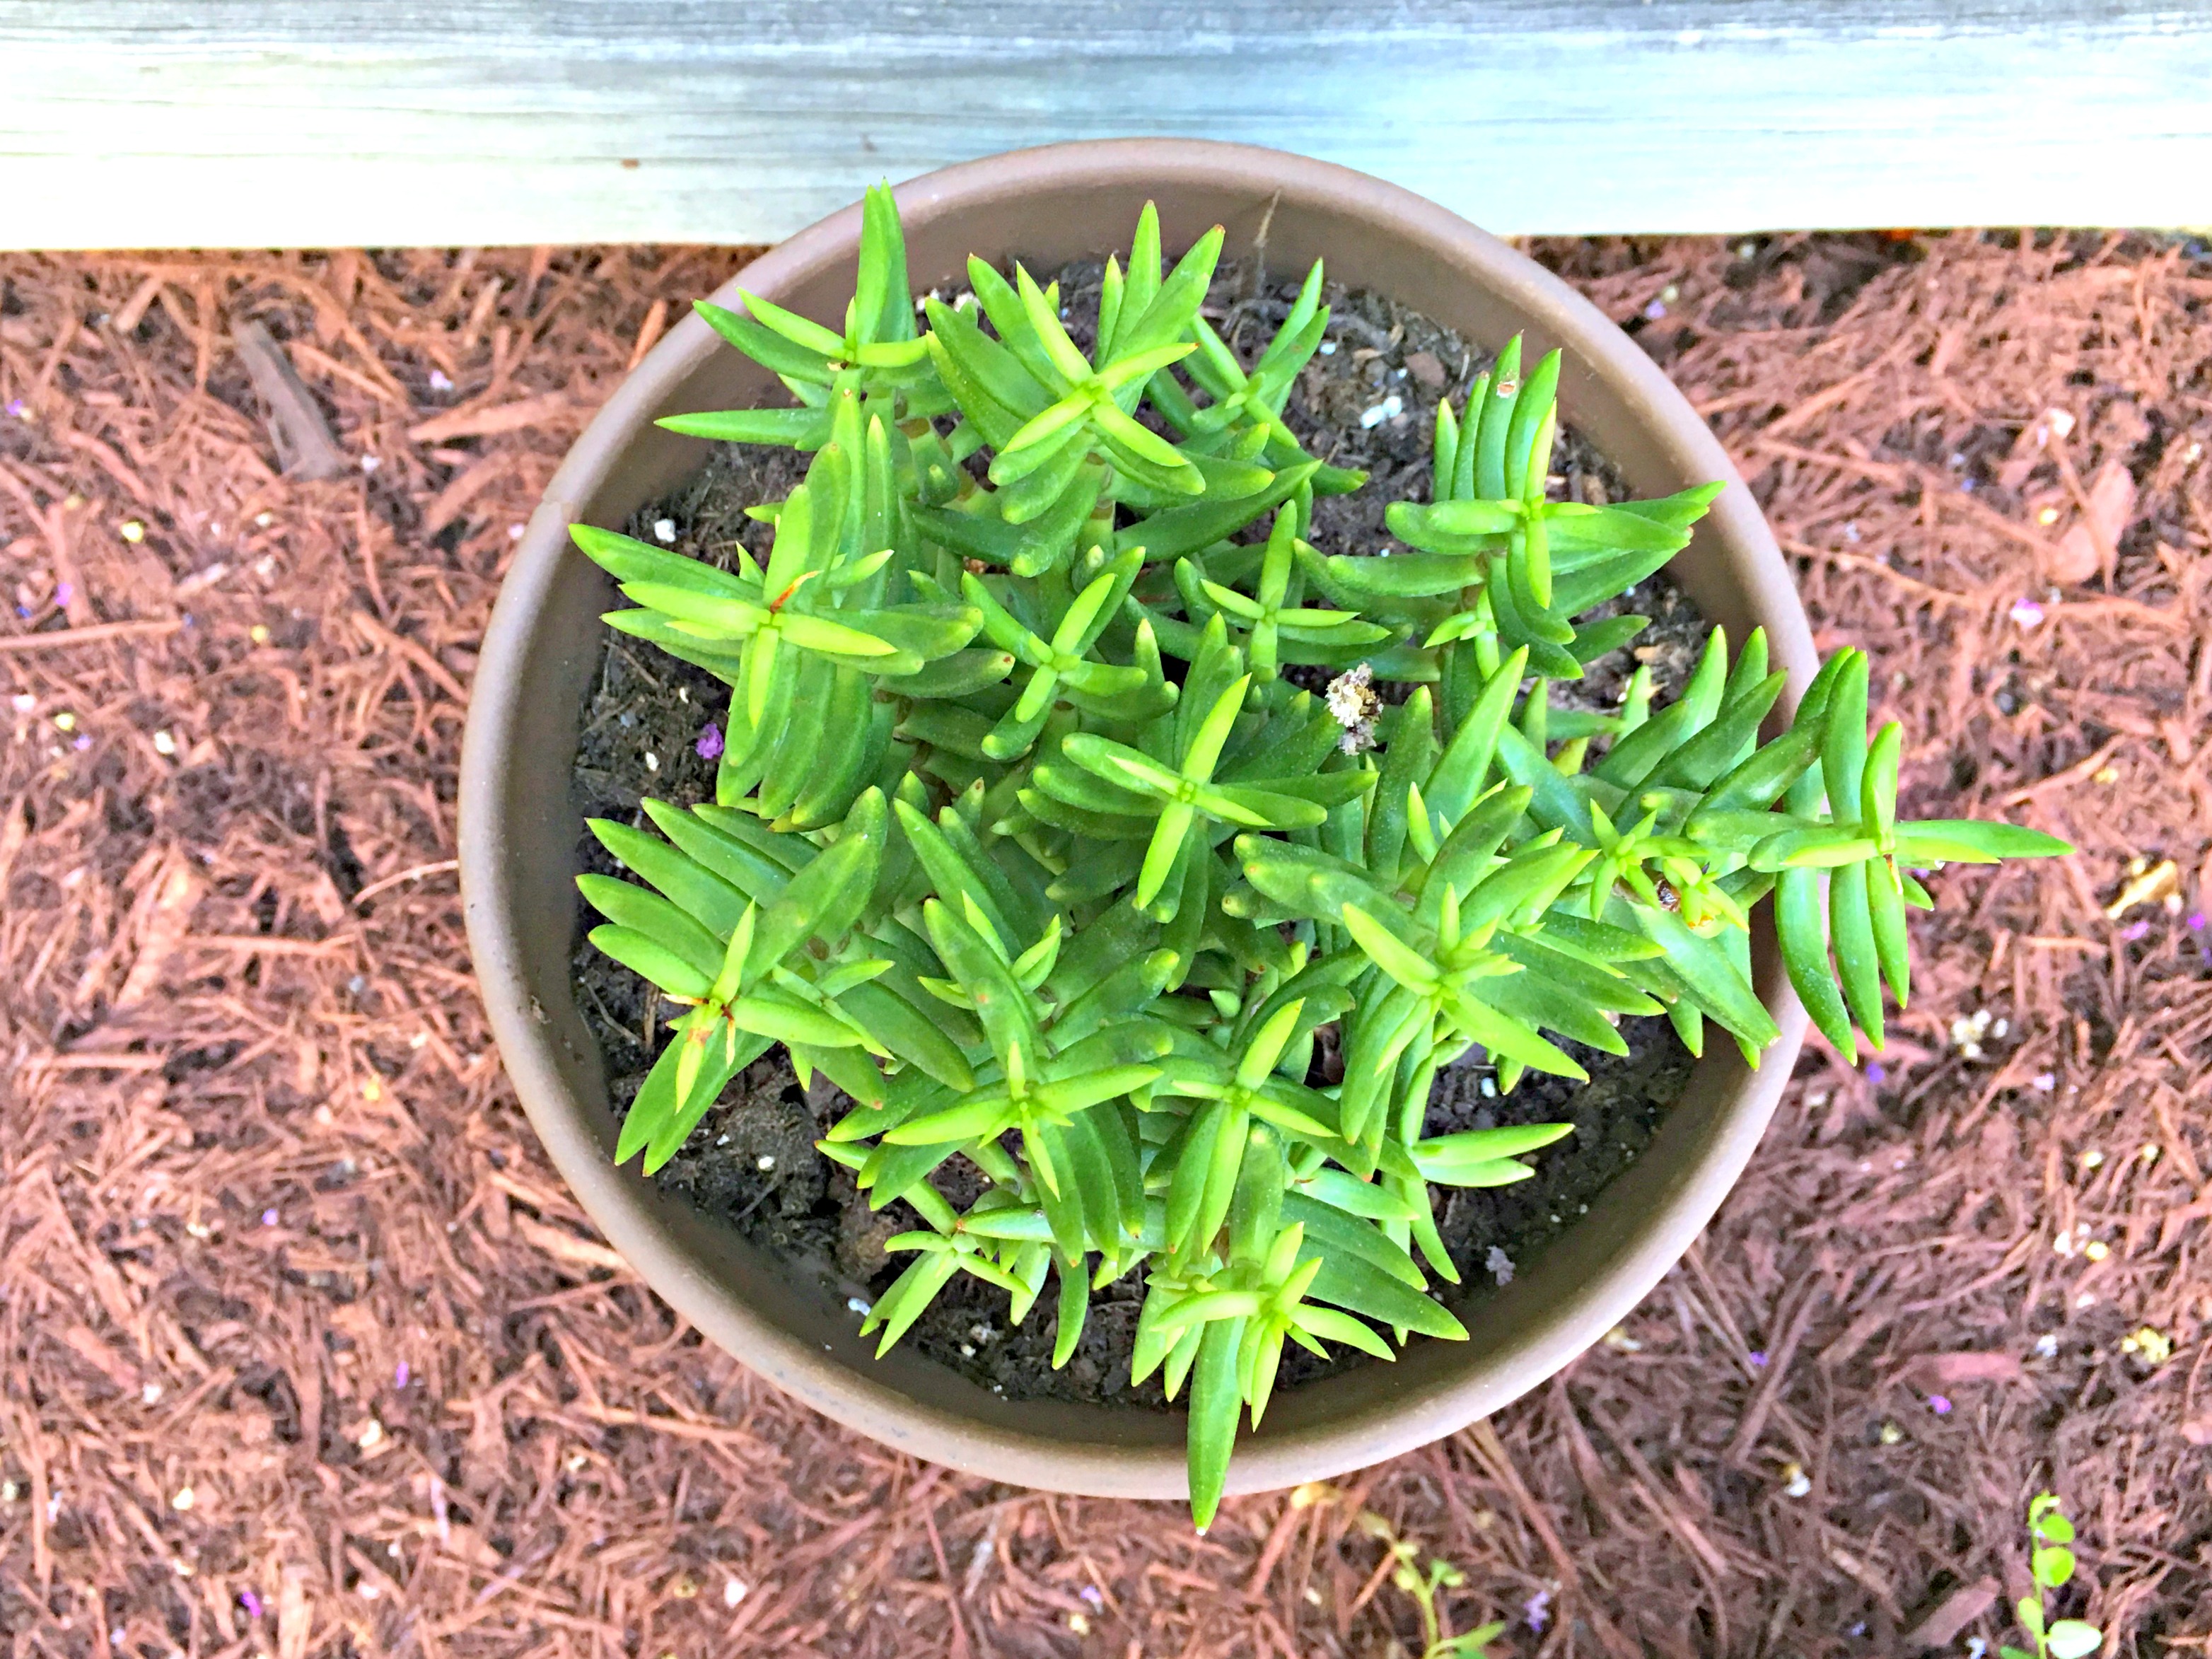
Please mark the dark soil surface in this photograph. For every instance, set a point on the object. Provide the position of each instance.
(1492, 1232)
(753, 1161)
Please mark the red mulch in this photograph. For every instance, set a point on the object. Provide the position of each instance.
(307, 1351)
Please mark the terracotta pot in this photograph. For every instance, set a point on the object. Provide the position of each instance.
(519, 829)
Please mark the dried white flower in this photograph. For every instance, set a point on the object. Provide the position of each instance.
(1353, 705)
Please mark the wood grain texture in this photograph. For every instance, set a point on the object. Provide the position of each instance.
(177, 123)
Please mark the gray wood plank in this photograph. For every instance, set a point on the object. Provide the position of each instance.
(179, 123)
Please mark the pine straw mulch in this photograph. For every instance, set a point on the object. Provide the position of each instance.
(307, 1351)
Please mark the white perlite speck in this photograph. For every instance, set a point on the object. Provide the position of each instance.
(1388, 409)
(1498, 1266)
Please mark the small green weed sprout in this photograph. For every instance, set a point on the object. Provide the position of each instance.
(1422, 1587)
(2051, 1563)
(1027, 837)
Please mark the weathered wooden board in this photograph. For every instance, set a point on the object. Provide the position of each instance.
(175, 122)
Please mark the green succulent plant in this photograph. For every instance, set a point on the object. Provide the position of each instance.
(1026, 836)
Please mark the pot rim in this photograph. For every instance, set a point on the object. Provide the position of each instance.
(619, 1202)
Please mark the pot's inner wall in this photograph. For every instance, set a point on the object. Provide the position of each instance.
(1538, 1312)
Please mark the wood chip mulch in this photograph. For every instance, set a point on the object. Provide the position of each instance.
(304, 1350)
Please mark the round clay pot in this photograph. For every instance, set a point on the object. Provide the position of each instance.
(519, 828)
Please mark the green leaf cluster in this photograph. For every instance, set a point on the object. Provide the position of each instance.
(1425, 1590)
(2051, 1562)
(1026, 836)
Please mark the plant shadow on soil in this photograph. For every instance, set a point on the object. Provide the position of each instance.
(752, 1162)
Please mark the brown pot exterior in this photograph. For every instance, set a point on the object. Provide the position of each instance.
(519, 826)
